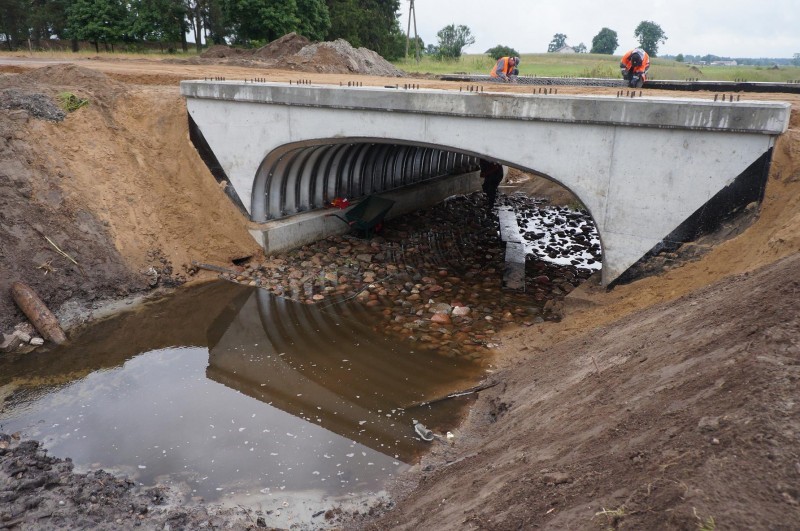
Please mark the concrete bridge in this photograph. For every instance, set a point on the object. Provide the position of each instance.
(642, 166)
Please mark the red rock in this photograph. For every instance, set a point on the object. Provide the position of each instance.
(441, 318)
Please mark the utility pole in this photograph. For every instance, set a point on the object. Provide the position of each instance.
(412, 13)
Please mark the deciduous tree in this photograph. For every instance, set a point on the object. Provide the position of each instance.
(501, 51)
(263, 20)
(373, 24)
(14, 23)
(96, 21)
(650, 35)
(605, 42)
(156, 21)
(559, 41)
(216, 20)
(267, 20)
(453, 39)
(315, 20)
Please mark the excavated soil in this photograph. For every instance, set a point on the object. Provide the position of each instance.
(295, 52)
(670, 402)
(114, 186)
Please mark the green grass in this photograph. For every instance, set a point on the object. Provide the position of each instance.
(598, 66)
(70, 102)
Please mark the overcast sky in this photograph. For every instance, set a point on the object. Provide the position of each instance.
(733, 28)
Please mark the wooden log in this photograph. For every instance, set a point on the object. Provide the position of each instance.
(218, 269)
(37, 312)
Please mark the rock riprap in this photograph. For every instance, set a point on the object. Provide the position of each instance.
(434, 277)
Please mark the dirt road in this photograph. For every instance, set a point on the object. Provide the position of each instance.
(669, 402)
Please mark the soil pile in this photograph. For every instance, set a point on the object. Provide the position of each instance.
(338, 57)
(100, 187)
(295, 52)
(220, 51)
(289, 44)
(69, 75)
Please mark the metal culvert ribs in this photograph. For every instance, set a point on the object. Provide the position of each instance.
(306, 177)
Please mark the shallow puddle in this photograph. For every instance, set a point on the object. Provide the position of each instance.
(233, 395)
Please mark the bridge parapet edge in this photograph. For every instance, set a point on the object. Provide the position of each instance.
(770, 118)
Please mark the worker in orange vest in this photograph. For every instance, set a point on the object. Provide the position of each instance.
(505, 69)
(634, 66)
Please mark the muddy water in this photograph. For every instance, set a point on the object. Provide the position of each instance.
(233, 395)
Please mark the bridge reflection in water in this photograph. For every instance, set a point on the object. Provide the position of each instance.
(310, 407)
(329, 368)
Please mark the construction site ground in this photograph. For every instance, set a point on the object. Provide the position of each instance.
(670, 402)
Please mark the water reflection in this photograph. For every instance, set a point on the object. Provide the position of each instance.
(327, 368)
(231, 393)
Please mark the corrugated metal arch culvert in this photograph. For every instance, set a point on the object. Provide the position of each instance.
(309, 175)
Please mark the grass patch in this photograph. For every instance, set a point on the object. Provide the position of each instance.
(612, 516)
(704, 525)
(70, 102)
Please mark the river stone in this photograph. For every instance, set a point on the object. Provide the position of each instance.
(440, 307)
(461, 311)
(440, 318)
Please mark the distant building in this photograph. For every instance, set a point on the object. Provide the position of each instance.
(565, 49)
(724, 63)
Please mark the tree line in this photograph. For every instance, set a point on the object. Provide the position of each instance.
(373, 24)
(649, 34)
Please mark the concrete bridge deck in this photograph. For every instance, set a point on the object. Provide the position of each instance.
(641, 166)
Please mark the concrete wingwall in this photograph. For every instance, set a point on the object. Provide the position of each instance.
(640, 166)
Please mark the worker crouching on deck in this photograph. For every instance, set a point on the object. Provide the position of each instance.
(634, 66)
(506, 69)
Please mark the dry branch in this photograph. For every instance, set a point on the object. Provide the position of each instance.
(465, 392)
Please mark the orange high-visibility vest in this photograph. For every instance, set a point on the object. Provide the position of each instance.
(503, 65)
(642, 68)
